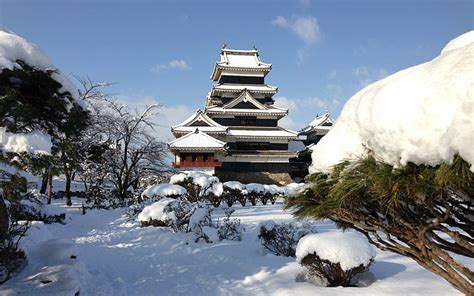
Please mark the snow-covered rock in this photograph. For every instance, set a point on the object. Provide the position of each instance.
(423, 114)
(349, 249)
(164, 190)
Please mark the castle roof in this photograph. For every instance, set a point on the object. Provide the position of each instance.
(239, 60)
(197, 140)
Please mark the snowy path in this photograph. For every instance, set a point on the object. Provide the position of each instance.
(117, 257)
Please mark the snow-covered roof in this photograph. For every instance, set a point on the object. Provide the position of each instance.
(245, 96)
(197, 140)
(233, 59)
(276, 132)
(321, 122)
(422, 114)
(271, 110)
(254, 88)
(209, 125)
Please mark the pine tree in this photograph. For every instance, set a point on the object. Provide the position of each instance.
(418, 211)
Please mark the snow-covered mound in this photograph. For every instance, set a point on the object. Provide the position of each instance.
(164, 189)
(349, 249)
(423, 114)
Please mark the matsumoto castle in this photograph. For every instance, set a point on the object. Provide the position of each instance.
(236, 136)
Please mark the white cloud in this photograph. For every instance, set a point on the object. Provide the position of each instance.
(168, 115)
(302, 111)
(366, 75)
(181, 65)
(305, 27)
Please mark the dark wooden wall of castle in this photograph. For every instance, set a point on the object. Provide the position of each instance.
(242, 79)
(237, 121)
(243, 167)
(250, 146)
(266, 100)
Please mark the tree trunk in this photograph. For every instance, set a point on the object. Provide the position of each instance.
(4, 220)
(68, 190)
(44, 182)
(50, 187)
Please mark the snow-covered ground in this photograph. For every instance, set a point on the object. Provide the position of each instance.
(115, 256)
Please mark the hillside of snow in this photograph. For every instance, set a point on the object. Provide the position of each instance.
(423, 114)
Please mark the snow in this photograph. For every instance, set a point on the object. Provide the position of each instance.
(156, 211)
(202, 179)
(14, 48)
(234, 185)
(294, 188)
(164, 190)
(217, 189)
(278, 133)
(349, 249)
(240, 87)
(115, 256)
(255, 187)
(423, 114)
(272, 110)
(178, 178)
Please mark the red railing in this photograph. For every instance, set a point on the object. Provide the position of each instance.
(185, 163)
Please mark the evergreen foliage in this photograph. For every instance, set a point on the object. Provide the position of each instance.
(419, 211)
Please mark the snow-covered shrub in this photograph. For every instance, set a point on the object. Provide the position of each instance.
(164, 190)
(282, 238)
(255, 192)
(230, 228)
(333, 258)
(167, 212)
(234, 191)
(214, 194)
(200, 223)
(11, 256)
(272, 192)
(196, 184)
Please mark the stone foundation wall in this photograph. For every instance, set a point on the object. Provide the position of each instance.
(255, 177)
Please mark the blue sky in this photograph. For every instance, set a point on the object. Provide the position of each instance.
(322, 51)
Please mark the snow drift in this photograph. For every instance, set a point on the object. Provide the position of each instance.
(423, 114)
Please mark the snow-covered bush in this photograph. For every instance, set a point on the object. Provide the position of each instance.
(196, 184)
(200, 223)
(234, 191)
(272, 192)
(255, 192)
(333, 258)
(164, 190)
(282, 238)
(230, 228)
(11, 256)
(214, 193)
(167, 212)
